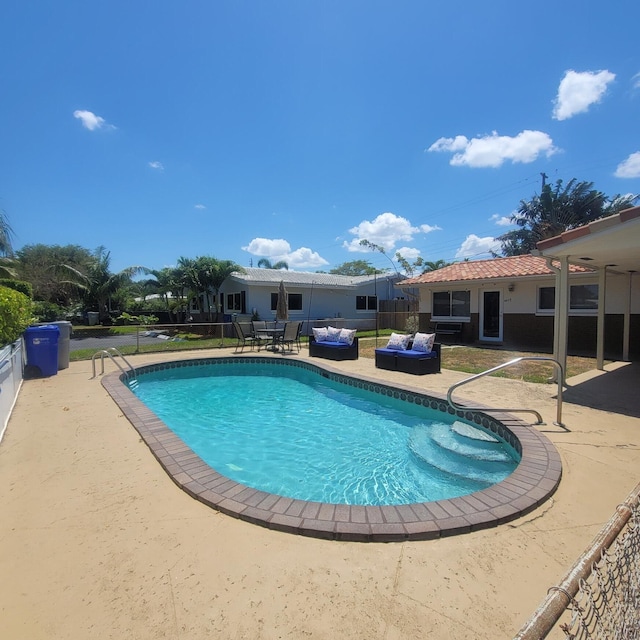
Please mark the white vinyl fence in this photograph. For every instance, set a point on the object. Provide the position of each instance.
(11, 372)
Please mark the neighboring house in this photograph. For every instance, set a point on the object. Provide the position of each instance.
(511, 301)
(311, 296)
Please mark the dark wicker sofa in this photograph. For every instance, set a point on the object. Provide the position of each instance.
(333, 350)
(409, 361)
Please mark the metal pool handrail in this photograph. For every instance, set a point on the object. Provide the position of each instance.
(110, 352)
(558, 421)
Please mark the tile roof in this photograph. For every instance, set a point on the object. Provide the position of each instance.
(513, 267)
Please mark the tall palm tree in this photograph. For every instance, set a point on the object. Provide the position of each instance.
(5, 236)
(98, 284)
(6, 250)
(265, 263)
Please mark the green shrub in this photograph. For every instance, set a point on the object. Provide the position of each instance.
(15, 314)
(18, 285)
(47, 311)
(126, 318)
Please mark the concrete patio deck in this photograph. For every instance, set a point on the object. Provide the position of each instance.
(97, 542)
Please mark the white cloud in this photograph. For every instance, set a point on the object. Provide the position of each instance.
(385, 231)
(279, 249)
(459, 143)
(501, 221)
(635, 81)
(408, 253)
(428, 228)
(492, 150)
(91, 121)
(578, 91)
(629, 168)
(199, 206)
(267, 248)
(158, 166)
(474, 247)
(304, 257)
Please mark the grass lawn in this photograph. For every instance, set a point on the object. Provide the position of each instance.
(457, 358)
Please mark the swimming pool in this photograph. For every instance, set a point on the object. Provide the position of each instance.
(225, 488)
(295, 433)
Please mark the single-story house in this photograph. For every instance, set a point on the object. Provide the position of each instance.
(337, 299)
(512, 301)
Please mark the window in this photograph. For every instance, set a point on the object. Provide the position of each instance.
(582, 297)
(366, 303)
(236, 302)
(294, 301)
(451, 304)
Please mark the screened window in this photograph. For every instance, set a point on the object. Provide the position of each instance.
(294, 301)
(451, 304)
(582, 297)
(366, 303)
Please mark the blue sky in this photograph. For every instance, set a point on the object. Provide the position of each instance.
(291, 129)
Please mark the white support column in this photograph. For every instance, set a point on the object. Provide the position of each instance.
(602, 298)
(561, 324)
(626, 329)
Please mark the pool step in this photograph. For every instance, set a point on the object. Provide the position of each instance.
(472, 445)
(439, 446)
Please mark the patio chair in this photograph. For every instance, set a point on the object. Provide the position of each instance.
(243, 338)
(261, 333)
(290, 335)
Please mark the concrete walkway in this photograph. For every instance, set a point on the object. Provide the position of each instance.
(97, 542)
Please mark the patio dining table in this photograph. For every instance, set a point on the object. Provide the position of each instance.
(273, 333)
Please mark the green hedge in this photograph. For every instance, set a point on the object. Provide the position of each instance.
(18, 285)
(15, 314)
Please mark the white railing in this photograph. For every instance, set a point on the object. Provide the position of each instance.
(11, 374)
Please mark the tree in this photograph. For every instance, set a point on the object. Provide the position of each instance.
(97, 283)
(43, 266)
(355, 268)
(5, 236)
(6, 250)
(434, 266)
(265, 263)
(558, 208)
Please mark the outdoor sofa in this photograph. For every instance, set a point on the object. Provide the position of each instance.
(408, 360)
(333, 350)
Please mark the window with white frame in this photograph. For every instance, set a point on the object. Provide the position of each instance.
(235, 302)
(366, 303)
(451, 304)
(294, 301)
(582, 298)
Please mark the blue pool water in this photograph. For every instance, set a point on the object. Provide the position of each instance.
(293, 432)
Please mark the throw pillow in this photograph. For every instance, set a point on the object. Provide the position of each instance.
(398, 342)
(333, 334)
(320, 333)
(423, 342)
(346, 336)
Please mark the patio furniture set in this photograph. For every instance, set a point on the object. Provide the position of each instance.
(417, 354)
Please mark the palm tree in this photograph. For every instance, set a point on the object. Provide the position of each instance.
(98, 284)
(265, 263)
(557, 209)
(6, 250)
(5, 236)
(434, 266)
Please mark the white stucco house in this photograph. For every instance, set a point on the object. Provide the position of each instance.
(312, 297)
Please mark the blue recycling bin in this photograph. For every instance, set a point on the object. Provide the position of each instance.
(42, 348)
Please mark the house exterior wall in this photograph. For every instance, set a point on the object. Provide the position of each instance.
(525, 327)
(318, 302)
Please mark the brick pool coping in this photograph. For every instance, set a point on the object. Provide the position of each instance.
(535, 479)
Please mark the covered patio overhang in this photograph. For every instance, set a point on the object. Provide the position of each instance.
(609, 246)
